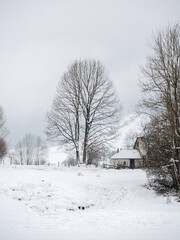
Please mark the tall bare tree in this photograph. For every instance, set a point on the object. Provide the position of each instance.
(3, 134)
(3, 128)
(3, 148)
(99, 103)
(86, 107)
(161, 84)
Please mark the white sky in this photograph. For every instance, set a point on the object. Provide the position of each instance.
(40, 38)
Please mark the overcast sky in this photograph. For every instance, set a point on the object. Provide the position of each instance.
(40, 38)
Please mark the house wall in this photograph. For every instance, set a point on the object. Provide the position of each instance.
(115, 162)
(140, 145)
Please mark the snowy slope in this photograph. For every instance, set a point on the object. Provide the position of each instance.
(55, 155)
(83, 203)
(129, 124)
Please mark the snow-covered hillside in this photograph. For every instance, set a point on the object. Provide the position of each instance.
(56, 155)
(83, 203)
(129, 124)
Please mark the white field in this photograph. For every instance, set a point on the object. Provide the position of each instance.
(43, 203)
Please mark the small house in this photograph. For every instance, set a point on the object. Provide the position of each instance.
(127, 159)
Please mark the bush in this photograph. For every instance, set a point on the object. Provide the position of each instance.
(160, 180)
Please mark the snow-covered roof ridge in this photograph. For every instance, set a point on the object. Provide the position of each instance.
(127, 154)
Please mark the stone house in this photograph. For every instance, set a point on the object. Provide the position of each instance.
(134, 158)
(127, 159)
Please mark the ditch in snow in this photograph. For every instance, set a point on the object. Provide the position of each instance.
(45, 199)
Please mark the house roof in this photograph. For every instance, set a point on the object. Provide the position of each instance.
(127, 154)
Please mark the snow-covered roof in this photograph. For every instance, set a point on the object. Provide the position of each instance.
(127, 154)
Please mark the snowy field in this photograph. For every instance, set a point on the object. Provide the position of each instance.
(83, 203)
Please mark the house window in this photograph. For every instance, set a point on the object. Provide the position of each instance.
(124, 163)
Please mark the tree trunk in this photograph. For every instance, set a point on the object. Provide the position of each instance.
(85, 146)
(174, 174)
(86, 134)
(77, 157)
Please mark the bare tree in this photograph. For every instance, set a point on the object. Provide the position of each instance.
(99, 103)
(28, 143)
(86, 107)
(3, 134)
(130, 139)
(3, 128)
(96, 153)
(20, 153)
(40, 151)
(161, 86)
(3, 148)
(12, 158)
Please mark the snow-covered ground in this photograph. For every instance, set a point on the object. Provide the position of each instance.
(83, 203)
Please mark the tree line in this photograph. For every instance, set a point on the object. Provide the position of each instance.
(30, 150)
